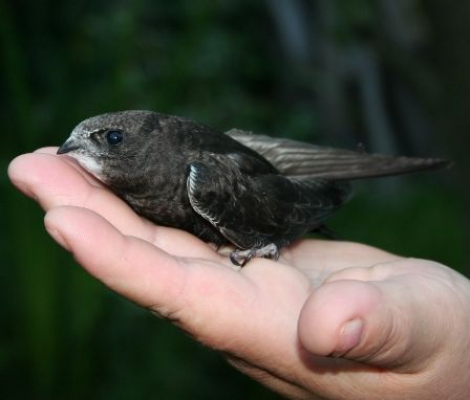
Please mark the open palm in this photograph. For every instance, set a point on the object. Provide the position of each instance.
(328, 320)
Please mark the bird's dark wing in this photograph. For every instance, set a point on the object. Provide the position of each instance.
(299, 159)
(254, 209)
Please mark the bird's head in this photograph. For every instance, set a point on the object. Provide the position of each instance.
(110, 138)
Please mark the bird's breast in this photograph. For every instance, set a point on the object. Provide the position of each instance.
(155, 189)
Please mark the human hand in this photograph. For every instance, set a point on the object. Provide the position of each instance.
(329, 320)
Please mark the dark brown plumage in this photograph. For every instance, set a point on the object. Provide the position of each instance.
(256, 192)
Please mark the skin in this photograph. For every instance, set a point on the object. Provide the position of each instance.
(330, 320)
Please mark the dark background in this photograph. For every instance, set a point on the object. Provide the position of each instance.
(392, 75)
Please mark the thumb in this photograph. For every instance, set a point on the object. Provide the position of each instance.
(381, 323)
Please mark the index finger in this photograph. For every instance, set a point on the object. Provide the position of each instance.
(56, 181)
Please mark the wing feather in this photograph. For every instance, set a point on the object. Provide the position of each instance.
(253, 210)
(299, 159)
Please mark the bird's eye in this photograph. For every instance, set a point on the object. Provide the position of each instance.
(114, 137)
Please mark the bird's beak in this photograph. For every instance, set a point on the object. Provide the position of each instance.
(69, 145)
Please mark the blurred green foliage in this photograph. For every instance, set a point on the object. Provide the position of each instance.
(63, 335)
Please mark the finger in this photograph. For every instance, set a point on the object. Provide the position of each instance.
(47, 150)
(57, 181)
(202, 296)
(52, 151)
(124, 264)
(382, 323)
(50, 179)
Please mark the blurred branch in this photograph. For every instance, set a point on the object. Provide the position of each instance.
(365, 70)
(292, 25)
(332, 65)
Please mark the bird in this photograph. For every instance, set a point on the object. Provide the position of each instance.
(255, 192)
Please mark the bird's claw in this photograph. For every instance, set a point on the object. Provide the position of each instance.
(241, 257)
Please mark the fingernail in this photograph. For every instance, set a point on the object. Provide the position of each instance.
(350, 336)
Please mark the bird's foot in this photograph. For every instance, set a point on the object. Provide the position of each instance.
(241, 257)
